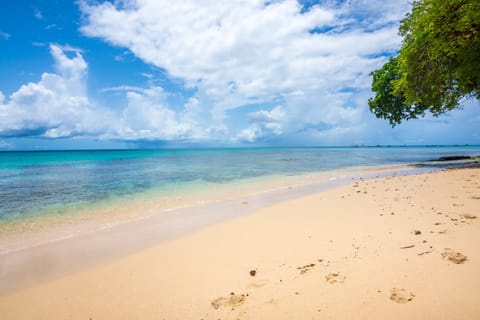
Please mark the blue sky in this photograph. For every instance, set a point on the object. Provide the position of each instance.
(158, 73)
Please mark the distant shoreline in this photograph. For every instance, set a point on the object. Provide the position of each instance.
(253, 147)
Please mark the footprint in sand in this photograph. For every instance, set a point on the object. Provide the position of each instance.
(401, 295)
(453, 256)
(469, 216)
(335, 278)
(234, 300)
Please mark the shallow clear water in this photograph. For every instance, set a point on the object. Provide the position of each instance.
(38, 183)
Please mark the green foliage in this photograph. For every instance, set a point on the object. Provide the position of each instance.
(386, 104)
(438, 63)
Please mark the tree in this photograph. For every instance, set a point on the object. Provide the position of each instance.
(438, 63)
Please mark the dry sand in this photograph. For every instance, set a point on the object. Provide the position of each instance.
(405, 247)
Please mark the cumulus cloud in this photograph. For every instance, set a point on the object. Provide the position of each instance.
(240, 52)
(58, 106)
(148, 117)
(263, 124)
(243, 52)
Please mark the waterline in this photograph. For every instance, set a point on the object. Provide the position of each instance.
(66, 193)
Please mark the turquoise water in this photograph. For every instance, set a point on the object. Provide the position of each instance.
(36, 183)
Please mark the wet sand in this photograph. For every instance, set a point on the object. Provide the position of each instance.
(43, 228)
(403, 247)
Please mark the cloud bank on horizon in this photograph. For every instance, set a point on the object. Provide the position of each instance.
(265, 72)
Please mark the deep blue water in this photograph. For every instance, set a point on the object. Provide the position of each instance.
(36, 182)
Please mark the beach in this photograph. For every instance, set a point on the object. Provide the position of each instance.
(215, 160)
(400, 247)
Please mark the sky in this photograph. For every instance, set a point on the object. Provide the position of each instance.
(203, 73)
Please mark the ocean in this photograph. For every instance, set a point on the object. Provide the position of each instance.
(42, 184)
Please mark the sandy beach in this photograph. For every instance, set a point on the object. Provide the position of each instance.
(402, 247)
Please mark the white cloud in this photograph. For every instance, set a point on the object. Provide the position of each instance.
(56, 106)
(5, 35)
(312, 64)
(38, 15)
(148, 117)
(122, 89)
(263, 124)
(147, 75)
(242, 52)
(73, 70)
